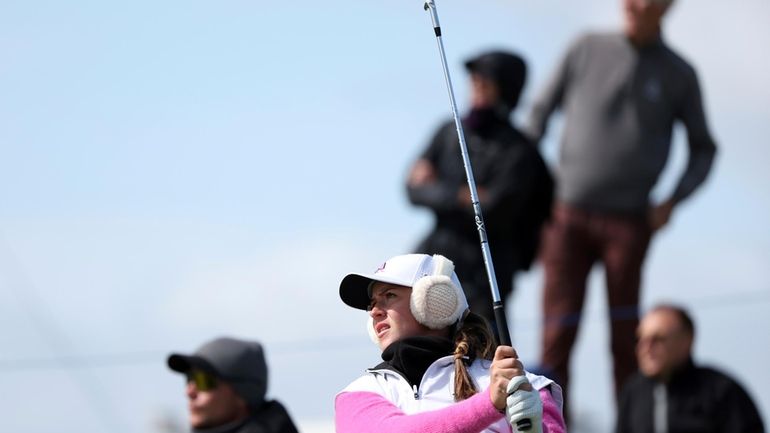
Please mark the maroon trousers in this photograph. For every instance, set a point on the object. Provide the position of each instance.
(574, 240)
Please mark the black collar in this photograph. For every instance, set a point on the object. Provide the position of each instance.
(225, 428)
(411, 356)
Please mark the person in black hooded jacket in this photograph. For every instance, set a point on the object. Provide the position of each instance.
(226, 386)
(513, 183)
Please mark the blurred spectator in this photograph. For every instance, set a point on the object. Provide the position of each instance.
(671, 394)
(226, 386)
(621, 93)
(513, 183)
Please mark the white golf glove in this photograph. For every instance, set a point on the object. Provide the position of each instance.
(522, 404)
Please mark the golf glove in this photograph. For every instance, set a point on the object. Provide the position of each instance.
(522, 404)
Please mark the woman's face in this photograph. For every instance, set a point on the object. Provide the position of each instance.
(392, 319)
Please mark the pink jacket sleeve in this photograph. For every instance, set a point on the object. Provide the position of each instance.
(356, 412)
(553, 420)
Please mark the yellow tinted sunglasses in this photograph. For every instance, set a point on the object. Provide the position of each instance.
(203, 381)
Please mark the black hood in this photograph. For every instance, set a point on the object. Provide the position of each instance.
(507, 70)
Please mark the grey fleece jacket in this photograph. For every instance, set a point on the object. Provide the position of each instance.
(620, 103)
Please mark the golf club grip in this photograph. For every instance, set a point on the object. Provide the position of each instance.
(502, 324)
(505, 340)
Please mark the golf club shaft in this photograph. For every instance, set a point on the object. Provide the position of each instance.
(497, 303)
(499, 308)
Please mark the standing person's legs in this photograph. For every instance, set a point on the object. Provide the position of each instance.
(625, 246)
(568, 255)
(476, 288)
(505, 266)
(479, 293)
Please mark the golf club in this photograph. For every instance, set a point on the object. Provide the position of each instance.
(497, 303)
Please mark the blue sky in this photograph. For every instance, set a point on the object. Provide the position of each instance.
(175, 171)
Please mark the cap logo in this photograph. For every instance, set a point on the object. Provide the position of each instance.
(381, 268)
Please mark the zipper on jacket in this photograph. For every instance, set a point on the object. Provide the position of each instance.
(416, 395)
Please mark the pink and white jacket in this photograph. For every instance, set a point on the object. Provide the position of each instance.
(382, 401)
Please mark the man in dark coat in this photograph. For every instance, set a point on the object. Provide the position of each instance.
(670, 394)
(226, 386)
(513, 183)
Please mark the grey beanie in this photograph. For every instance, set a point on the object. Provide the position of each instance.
(240, 363)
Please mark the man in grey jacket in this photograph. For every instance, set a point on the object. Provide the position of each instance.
(620, 93)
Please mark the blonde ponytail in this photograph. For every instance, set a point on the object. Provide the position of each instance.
(472, 340)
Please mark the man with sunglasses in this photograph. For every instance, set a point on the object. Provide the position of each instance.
(671, 394)
(226, 387)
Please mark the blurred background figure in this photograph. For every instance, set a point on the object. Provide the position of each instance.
(514, 186)
(671, 394)
(226, 387)
(621, 94)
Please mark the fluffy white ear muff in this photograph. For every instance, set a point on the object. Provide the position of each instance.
(370, 330)
(436, 301)
(442, 266)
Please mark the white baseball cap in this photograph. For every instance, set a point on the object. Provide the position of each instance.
(404, 270)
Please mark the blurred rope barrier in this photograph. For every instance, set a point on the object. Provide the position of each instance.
(346, 342)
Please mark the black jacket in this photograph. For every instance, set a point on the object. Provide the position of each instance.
(519, 190)
(270, 418)
(700, 400)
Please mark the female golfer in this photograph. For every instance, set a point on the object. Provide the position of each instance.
(441, 372)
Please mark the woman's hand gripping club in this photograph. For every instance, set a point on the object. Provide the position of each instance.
(511, 392)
